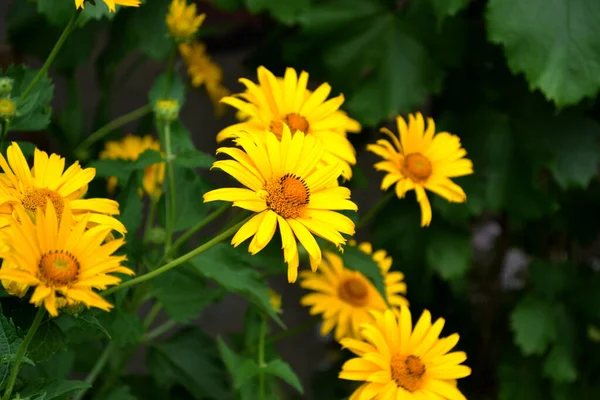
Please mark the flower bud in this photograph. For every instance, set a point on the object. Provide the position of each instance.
(6, 86)
(7, 109)
(166, 110)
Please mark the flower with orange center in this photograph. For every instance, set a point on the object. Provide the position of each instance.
(130, 148)
(182, 20)
(421, 159)
(396, 361)
(48, 182)
(111, 4)
(346, 297)
(275, 102)
(285, 189)
(60, 257)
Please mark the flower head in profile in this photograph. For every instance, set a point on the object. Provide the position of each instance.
(284, 189)
(130, 148)
(274, 300)
(111, 4)
(61, 258)
(48, 182)
(346, 297)
(273, 103)
(396, 361)
(421, 159)
(182, 20)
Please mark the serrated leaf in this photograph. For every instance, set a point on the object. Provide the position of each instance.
(560, 365)
(286, 12)
(57, 13)
(54, 389)
(550, 61)
(533, 325)
(9, 344)
(194, 159)
(242, 369)
(176, 90)
(356, 260)
(450, 254)
(48, 339)
(131, 206)
(149, 26)
(124, 327)
(86, 319)
(282, 370)
(447, 8)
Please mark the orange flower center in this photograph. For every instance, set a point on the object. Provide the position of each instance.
(416, 166)
(58, 268)
(407, 372)
(295, 122)
(354, 291)
(287, 195)
(34, 198)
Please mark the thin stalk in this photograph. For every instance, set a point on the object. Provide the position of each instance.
(159, 330)
(261, 358)
(156, 307)
(170, 203)
(295, 330)
(151, 216)
(21, 353)
(112, 125)
(98, 367)
(375, 209)
(180, 260)
(57, 46)
(190, 232)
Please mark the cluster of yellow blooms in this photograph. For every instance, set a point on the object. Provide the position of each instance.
(291, 151)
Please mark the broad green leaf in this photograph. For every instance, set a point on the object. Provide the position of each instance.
(190, 359)
(193, 159)
(131, 207)
(564, 65)
(124, 327)
(9, 345)
(242, 369)
(27, 148)
(58, 366)
(57, 13)
(96, 12)
(450, 254)
(183, 294)
(447, 8)
(148, 24)
(53, 389)
(356, 260)
(87, 319)
(332, 15)
(286, 12)
(176, 90)
(48, 339)
(560, 365)
(282, 370)
(221, 264)
(120, 392)
(533, 325)
(520, 380)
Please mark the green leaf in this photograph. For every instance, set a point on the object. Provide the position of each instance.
(48, 339)
(520, 380)
(57, 13)
(193, 159)
(131, 207)
(122, 169)
(282, 370)
(58, 366)
(447, 8)
(242, 369)
(96, 12)
(560, 365)
(120, 392)
(54, 389)
(124, 327)
(149, 26)
(450, 254)
(287, 12)
(221, 264)
(86, 319)
(27, 148)
(71, 118)
(229, 5)
(355, 260)
(550, 61)
(9, 345)
(533, 325)
(190, 359)
(183, 294)
(176, 89)
(548, 280)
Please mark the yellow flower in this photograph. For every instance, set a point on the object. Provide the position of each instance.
(111, 3)
(61, 258)
(216, 92)
(285, 189)
(182, 20)
(276, 102)
(49, 182)
(398, 362)
(274, 300)
(346, 297)
(167, 110)
(130, 148)
(7, 108)
(422, 160)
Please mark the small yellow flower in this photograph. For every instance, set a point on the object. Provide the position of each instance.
(111, 3)
(274, 300)
(421, 159)
(216, 92)
(130, 148)
(396, 361)
(182, 20)
(346, 297)
(167, 109)
(285, 189)
(7, 108)
(201, 69)
(61, 258)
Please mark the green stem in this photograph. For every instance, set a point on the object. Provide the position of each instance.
(375, 209)
(112, 125)
(261, 358)
(170, 203)
(156, 307)
(295, 330)
(44, 70)
(4, 131)
(180, 260)
(98, 367)
(190, 232)
(170, 64)
(22, 350)
(151, 215)
(159, 330)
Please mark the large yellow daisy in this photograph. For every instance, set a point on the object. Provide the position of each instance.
(275, 102)
(421, 159)
(111, 3)
(182, 20)
(284, 188)
(61, 258)
(346, 297)
(130, 148)
(398, 362)
(48, 182)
